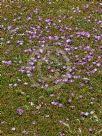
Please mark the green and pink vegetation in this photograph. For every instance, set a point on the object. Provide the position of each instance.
(51, 68)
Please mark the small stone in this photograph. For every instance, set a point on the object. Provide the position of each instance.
(91, 103)
(38, 107)
(25, 83)
(47, 116)
(25, 132)
(34, 122)
(10, 85)
(61, 105)
(91, 88)
(15, 84)
(51, 95)
(31, 103)
(13, 129)
(1, 132)
(86, 114)
(22, 93)
(72, 107)
(3, 122)
(92, 112)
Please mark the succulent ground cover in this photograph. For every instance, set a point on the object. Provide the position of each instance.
(51, 68)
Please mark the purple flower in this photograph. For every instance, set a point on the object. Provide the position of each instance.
(41, 50)
(29, 18)
(65, 80)
(50, 38)
(76, 77)
(56, 37)
(9, 62)
(57, 81)
(86, 6)
(49, 67)
(9, 27)
(54, 103)
(83, 33)
(31, 63)
(20, 42)
(19, 17)
(68, 40)
(48, 20)
(33, 85)
(61, 105)
(27, 50)
(97, 37)
(82, 84)
(20, 111)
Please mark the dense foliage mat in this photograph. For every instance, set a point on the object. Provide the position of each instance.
(51, 68)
